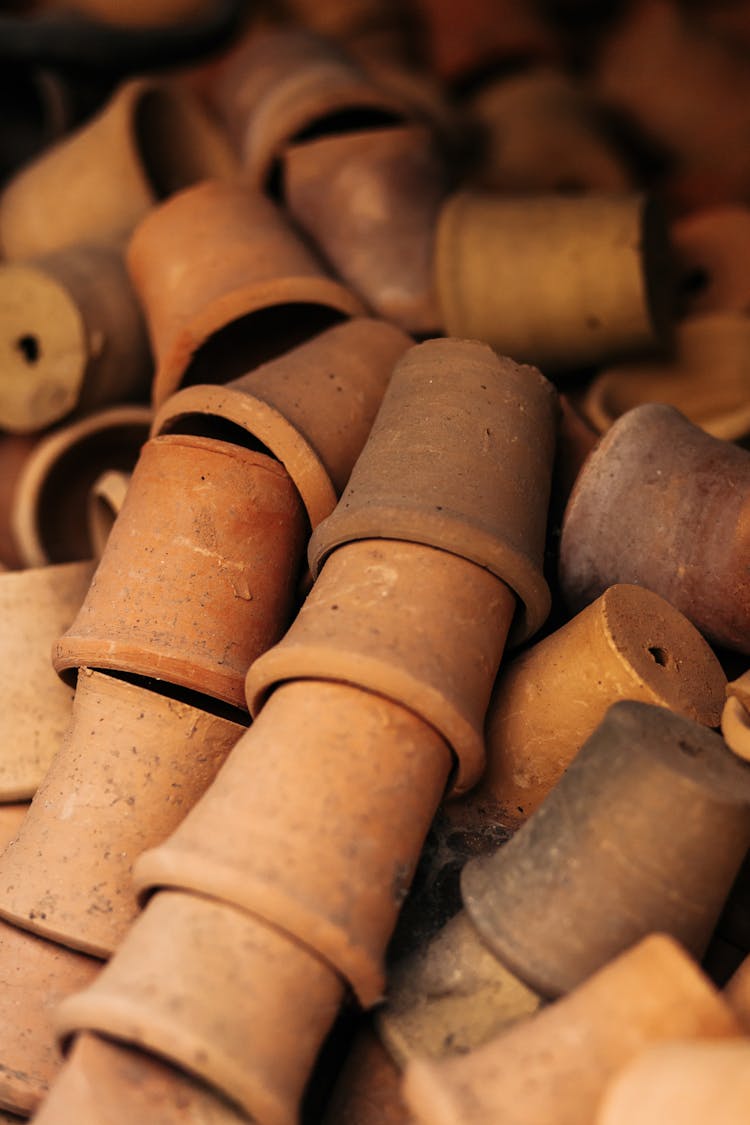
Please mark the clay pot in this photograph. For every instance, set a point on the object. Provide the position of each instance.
(106, 497)
(36, 606)
(735, 718)
(712, 248)
(227, 284)
(15, 450)
(132, 764)
(350, 21)
(139, 14)
(737, 993)
(646, 831)
(382, 250)
(421, 627)
(169, 989)
(554, 1068)
(289, 852)
(707, 379)
(368, 1088)
(560, 281)
(312, 407)
(50, 518)
(656, 478)
(11, 819)
(199, 572)
(459, 458)
(151, 139)
(74, 337)
(575, 440)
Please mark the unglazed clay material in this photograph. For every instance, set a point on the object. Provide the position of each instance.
(204, 263)
(737, 993)
(735, 718)
(198, 577)
(15, 450)
(106, 497)
(712, 248)
(368, 1088)
(11, 819)
(459, 457)
(139, 13)
(312, 407)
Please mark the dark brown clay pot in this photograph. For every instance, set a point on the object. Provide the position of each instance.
(646, 831)
(172, 986)
(132, 764)
(368, 1088)
(712, 248)
(106, 498)
(15, 450)
(312, 407)
(226, 284)
(370, 200)
(199, 573)
(459, 458)
(657, 479)
(151, 139)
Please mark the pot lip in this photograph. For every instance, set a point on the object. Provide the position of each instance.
(410, 131)
(67, 936)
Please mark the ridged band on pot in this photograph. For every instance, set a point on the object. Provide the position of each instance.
(198, 577)
(662, 504)
(459, 457)
(206, 264)
(49, 516)
(561, 281)
(132, 765)
(712, 248)
(312, 407)
(420, 626)
(172, 988)
(552, 1069)
(646, 831)
(73, 337)
(151, 139)
(106, 497)
(294, 827)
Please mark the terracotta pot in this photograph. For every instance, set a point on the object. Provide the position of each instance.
(656, 478)
(74, 337)
(36, 606)
(712, 248)
(368, 1088)
(421, 627)
(312, 407)
(554, 1068)
(49, 517)
(11, 819)
(562, 281)
(199, 573)
(459, 458)
(279, 832)
(227, 284)
(141, 13)
(132, 764)
(106, 497)
(735, 718)
(169, 990)
(707, 379)
(382, 250)
(628, 644)
(575, 440)
(737, 993)
(646, 831)
(151, 139)
(347, 21)
(15, 450)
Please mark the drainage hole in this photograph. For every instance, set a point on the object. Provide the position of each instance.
(29, 348)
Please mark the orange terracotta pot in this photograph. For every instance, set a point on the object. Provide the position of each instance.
(226, 284)
(712, 248)
(132, 764)
(292, 829)
(459, 458)
(151, 139)
(49, 517)
(646, 831)
(370, 200)
(11, 819)
(199, 573)
(15, 450)
(561, 281)
(368, 1089)
(554, 1068)
(106, 498)
(36, 606)
(312, 407)
(169, 990)
(421, 627)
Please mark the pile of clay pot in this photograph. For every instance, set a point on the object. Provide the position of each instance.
(392, 762)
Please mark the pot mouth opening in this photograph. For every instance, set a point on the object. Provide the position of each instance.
(196, 699)
(168, 140)
(218, 429)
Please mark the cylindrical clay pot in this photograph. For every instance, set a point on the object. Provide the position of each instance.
(199, 573)
(657, 480)
(106, 498)
(712, 248)
(368, 1087)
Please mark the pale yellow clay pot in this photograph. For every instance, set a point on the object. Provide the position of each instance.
(106, 497)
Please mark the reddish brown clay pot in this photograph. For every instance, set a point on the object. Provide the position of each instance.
(293, 828)
(561, 281)
(735, 719)
(199, 573)
(171, 988)
(554, 1068)
(370, 200)
(419, 626)
(459, 458)
(50, 517)
(646, 831)
(712, 248)
(575, 440)
(151, 139)
(226, 283)
(312, 407)
(368, 1088)
(15, 449)
(351, 21)
(106, 498)
(132, 764)
(36, 606)
(657, 479)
